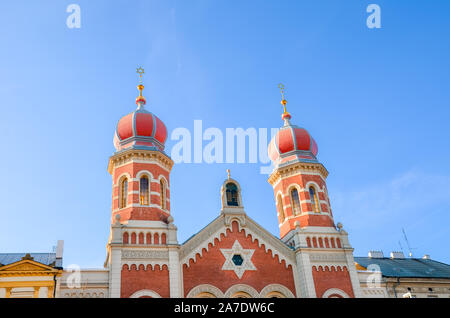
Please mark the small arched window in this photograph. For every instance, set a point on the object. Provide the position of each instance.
(280, 208)
(143, 191)
(163, 194)
(295, 201)
(232, 194)
(123, 193)
(314, 199)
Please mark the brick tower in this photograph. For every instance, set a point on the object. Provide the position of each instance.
(324, 255)
(142, 248)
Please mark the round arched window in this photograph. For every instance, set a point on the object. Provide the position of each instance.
(232, 194)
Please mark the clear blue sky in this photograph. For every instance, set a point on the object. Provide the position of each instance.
(375, 100)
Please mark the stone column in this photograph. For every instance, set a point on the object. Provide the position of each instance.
(36, 292)
(115, 272)
(305, 276)
(175, 273)
(50, 292)
(348, 250)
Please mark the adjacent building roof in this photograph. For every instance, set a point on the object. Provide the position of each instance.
(407, 267)
(48, 259)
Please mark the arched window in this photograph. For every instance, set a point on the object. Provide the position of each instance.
(163, 194)
(280, 208)
(232, 194)
(314, 200)
(123, 193)
(143, 190)
(295, 201)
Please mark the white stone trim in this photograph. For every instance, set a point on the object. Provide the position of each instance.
(142, 173)
(145, 292)
(332, 291)
(246, 255)
(224, 194)
(205, 288)
(276, 288)
(175, 276)
(268, 246)
(153, 225)
(84, 293)
(314, 184)
(121, 176)
(241, 288)
(330, 266)
(149, 161)
(303, 172)
(138, 263)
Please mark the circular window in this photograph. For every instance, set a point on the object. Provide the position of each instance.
(237, 260)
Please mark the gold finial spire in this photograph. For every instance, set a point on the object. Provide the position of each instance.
(283, 101)
(140, 87)
(228, 173)
(285, 116)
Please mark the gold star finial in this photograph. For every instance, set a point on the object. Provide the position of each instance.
(140, 71)
(283, 101)
(140, 87)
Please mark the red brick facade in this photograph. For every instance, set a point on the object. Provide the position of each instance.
(303, 181)
(207, 269)
(135, 279)
(326, 278)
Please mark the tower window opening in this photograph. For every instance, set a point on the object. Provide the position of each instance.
(144, 191)
(295, 201)
(163, 194)
(314, 199)
(281, 208)
(232, 194)
(123, 193)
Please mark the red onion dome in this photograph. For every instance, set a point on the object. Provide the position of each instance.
(292, 143)
(140, 130)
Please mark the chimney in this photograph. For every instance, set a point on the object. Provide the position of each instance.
(59, 249)
(426, 256)
(397, 255)
(376, 254)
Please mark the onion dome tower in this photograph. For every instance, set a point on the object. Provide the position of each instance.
(143, 242)
(304, 213)
(298, 178)
(140, 168)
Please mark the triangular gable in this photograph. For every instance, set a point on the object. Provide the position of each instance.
(218, 226)
(27, 265)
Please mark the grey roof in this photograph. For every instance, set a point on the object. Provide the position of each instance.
(43, 258)
(407, 267)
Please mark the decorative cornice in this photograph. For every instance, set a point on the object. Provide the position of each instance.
(144, 254)
(328, 257)
(296, 168)
(138, 154)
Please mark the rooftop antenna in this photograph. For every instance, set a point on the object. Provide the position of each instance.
(407, 243)
(401, 248)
